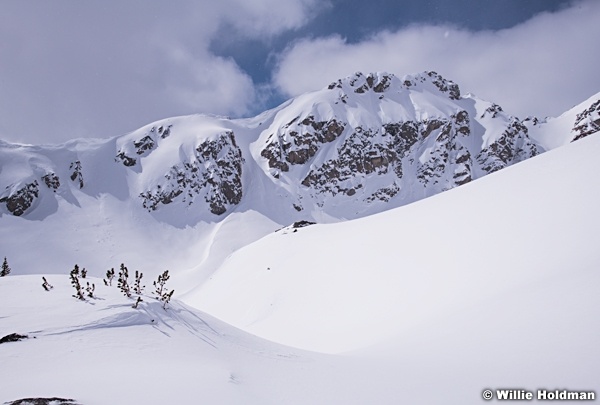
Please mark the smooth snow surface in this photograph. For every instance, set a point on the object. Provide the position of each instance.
(520, 242)
(102, 351)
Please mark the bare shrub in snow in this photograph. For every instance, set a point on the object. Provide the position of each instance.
(46, 285)
(137, 302)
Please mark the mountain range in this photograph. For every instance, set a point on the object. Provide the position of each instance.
(385, 239)
(365, 144)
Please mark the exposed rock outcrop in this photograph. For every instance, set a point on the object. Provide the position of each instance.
(587, 122)
(215, 173)
(19, 201)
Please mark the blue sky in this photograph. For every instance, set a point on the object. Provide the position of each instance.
(71, 69)
(355, 21)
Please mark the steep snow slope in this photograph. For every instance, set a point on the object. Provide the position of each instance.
(516, 243)
(580, 121)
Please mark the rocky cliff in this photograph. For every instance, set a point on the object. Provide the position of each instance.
(363, 144)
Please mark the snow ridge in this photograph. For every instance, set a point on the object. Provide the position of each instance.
(364, 144)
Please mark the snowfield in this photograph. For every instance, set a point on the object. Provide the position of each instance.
(490, 285)
(516, 247)
(384, 240)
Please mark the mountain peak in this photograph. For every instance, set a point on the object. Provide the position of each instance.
(380, 82)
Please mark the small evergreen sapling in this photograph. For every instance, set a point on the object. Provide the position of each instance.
(160, 283)
(160, 292)
(75, 283)
(110, 274)
(5, 268)
(90, 289)
(137, 287)
(83, 273)
(122, 282)
(47, 286)
(166, 297)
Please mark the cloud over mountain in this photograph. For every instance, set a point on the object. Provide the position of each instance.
(524, 68)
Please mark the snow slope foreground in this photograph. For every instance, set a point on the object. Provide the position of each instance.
(503, 269)
(102, 351)
(427, 307)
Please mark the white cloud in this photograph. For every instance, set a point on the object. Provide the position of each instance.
(540, 67)
(207, 83)
(269, 17)
(78, 69)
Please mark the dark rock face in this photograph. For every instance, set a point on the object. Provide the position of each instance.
(512, 147)
(20, 201)
(164, 131)
(493, 111)
(387, 150)
(448, 155)
(149, 141)
(359, 154)
(76, 173)
(144, 145)
(302, 224)
(13, 337)
(126, 160)
(297, 142)
(445, 86)
(384, 193)
(52, 181)
(587, 122)
(215, 172)
(378, 85)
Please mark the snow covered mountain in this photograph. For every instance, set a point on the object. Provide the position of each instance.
(365, 144)
(209, 185)
(490, 285)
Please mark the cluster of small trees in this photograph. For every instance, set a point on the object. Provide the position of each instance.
(82, 292)
(123, 284)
